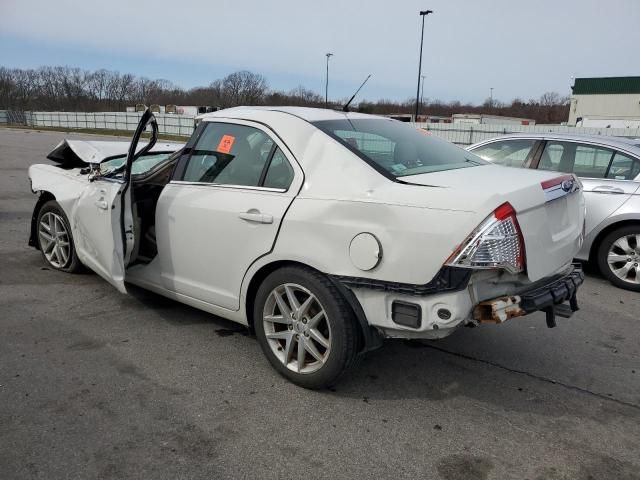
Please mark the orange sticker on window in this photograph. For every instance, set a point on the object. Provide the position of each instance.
(226, 143)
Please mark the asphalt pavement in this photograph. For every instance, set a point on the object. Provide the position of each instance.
(95, 384)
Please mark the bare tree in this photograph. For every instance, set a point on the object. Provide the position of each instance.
(243, 88)
(67, 88)
(7, 87)
(26, 87)
(550, 98)
(96, 83)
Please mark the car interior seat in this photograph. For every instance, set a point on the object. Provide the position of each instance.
(236, 167)
(545, 161)
(406, 153)
(568, 158)
(352, 141)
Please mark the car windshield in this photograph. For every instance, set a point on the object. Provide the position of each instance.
(140, 166)
(397, 149)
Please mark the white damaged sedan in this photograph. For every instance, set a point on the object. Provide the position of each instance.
(323, 231)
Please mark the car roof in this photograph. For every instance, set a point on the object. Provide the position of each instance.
(626, 143)
(305, 113)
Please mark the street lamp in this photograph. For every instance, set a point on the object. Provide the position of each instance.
(491, 98)
(326, 85)
(423, 13)
(422, 92)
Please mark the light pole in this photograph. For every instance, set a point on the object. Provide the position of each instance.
(491, 98)
(422, 92)
(423, 13)
(326, 85)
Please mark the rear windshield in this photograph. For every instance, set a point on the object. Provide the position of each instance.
(397, 149)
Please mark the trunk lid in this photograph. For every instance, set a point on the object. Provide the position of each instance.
(551, 218)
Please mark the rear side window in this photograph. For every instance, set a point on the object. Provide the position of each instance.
(624, 167)
(584, 160)
(228, 154)
(279, 173)
(510, 153)
(591, 162)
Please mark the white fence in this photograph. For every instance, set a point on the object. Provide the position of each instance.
(460, 134)
(466, 134)
(167, 123)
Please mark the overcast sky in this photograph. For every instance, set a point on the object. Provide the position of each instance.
(521, 48)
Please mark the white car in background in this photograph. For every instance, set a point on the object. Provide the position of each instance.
(324, 231)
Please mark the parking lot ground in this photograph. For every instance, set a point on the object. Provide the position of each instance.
(96, 384)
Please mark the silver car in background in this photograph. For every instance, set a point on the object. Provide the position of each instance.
(609, 168)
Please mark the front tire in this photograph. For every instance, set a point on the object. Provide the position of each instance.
(619, 257)
(55, 239)
(305, 327)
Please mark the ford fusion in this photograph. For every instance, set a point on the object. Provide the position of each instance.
(323, 231)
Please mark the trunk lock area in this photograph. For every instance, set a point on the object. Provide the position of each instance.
(549, 298)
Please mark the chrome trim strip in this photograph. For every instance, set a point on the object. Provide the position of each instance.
(556, 192)
(234, 187)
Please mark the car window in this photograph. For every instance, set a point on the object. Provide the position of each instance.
(591, 162)
(510, 153)
(623, 167)
(584, 160)
(374, 146)
(229, 154)
(551, 156)
(140, 166)
(396, 149)
(280, 172)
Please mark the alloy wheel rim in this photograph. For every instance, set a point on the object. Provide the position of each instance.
(297, 328)
(623, 258)
(54, 240)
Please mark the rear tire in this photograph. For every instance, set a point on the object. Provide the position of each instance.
(55, 239)
(618, 257)
(305, 327)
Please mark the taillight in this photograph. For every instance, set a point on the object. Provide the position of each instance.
(496, 243)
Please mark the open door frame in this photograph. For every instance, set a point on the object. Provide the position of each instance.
(126, 214)
(102, 220)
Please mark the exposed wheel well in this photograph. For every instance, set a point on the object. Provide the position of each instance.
(42, 199)
(257, 280)
(365, 334)
(606, 231)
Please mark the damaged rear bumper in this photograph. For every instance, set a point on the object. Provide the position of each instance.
(549, 298)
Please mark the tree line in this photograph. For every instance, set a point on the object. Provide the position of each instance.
(63, 88)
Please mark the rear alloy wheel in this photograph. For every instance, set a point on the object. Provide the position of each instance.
(619, 257)
(55, 239)
(296, 328)
(305, 327)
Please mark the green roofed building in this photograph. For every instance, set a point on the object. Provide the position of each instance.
(606, 102)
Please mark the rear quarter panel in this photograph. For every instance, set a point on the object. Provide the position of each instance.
(415, 241)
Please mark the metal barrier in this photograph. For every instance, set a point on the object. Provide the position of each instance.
(15, 117)
(467, 134)
(169, 124)
(183, 125)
